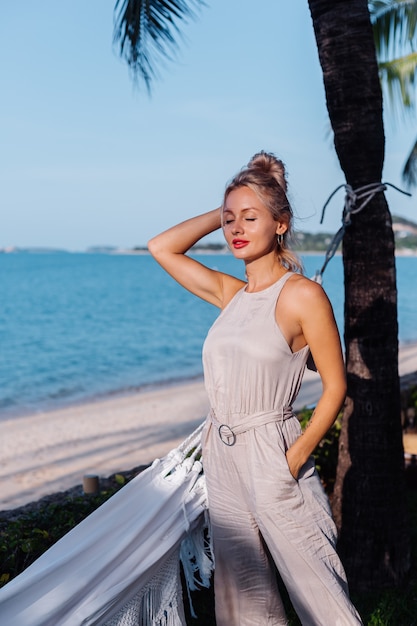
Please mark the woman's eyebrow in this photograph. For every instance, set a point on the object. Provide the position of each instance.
(249, 208)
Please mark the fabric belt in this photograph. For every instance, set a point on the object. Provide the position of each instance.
(228, 434)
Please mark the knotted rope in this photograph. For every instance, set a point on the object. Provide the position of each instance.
(352, 206)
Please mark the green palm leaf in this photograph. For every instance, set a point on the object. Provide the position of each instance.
(399, 76)
(395, 34)
(147, 32)
(410, 168)
(394, 25)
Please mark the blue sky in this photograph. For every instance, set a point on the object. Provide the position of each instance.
(86, 159)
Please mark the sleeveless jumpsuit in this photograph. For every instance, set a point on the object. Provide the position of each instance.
(261, 515)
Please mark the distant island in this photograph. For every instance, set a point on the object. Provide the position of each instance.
(405, 232)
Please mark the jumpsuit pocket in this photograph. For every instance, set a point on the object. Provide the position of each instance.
(307, 469)
(290, 433)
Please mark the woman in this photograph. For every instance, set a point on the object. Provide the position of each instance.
(266, 502)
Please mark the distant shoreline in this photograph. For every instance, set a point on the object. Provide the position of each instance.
(219, 249)
(209, 251)
(405, 233)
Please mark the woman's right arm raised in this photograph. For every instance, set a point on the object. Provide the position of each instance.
(170, 247)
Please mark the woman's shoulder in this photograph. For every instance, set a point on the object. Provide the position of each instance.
(300, 281)
(304, 291)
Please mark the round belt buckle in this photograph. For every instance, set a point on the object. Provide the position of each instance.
(226, 433)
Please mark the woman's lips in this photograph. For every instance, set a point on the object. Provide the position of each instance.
(239, 243)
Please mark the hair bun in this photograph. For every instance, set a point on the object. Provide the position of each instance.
(268, 163)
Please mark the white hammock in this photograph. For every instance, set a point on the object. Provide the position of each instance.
(121, 565)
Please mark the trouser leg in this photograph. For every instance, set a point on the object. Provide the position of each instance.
(295, 520)
(245, 586)
(312, 573)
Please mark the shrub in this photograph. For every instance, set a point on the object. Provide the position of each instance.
(326, 452)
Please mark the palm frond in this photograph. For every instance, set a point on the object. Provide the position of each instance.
(147, 32)
(409, 173)
(399, 78)
(394, 25)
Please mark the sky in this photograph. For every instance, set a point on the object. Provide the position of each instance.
(88, 159)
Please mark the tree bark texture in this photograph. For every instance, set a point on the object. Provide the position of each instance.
(369, 500)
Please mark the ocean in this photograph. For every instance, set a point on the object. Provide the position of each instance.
(76, 326)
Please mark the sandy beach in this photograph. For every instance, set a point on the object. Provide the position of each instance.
(47, 452)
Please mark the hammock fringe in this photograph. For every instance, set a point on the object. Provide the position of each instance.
(121, 566)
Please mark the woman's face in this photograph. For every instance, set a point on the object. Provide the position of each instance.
(249, 228)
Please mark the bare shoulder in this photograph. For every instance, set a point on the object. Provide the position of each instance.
(305, 293)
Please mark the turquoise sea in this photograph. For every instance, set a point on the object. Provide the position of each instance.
(78, 326)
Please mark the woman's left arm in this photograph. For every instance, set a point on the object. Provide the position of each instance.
(319, 328)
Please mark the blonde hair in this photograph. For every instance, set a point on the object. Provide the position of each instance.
(266, 176)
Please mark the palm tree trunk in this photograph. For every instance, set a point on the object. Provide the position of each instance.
(369, 499)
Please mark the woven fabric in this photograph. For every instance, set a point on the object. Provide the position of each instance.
(122, 561)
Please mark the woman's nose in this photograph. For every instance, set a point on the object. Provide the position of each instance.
(237, 227)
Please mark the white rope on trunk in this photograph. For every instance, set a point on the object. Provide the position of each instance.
(355, 201)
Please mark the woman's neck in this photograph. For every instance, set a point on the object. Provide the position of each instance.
(263, 272)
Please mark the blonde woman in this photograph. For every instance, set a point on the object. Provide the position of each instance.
(267, 506)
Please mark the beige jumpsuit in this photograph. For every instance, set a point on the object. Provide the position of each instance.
(259, 513)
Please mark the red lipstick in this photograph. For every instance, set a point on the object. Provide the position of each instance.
(240, 243)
